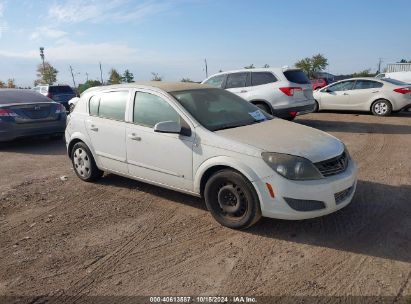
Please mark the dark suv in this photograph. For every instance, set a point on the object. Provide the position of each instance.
(59, 93)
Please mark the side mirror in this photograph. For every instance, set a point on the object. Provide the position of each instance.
(168, 127)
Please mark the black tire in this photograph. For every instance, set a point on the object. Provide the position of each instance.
(381, 107)
(316, 107)
(264, 107)
(290, 118)
(232, 200)
(83, 163)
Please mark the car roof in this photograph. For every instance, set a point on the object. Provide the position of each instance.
(274, 70)
(161, 85)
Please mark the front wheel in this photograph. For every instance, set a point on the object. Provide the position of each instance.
(316, 107)
(84, 164)
(381, 107)
(232, 200)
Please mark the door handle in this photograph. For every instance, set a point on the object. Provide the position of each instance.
(133, 136)
(243, 91)
(93, 128)
(345, 94)
(375, 92)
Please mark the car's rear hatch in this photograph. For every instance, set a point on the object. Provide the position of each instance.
(61, 94)
(298, 79)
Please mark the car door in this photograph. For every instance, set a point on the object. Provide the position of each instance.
(162, 158)
(337, 96)
(237, 83)
(363, 91)
(107, 128)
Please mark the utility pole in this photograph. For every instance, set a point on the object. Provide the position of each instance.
(86, 77)
(42, 59)
(72, 75)
(206, 67)
(379, 65)
(101, 74)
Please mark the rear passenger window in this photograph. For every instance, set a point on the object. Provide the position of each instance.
(150, 109)
(260, 78)
(112, 105)
(216, 81)
(93, 105)
(236, 80)
(367, 84)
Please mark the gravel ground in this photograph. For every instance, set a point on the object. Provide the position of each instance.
(120, 237)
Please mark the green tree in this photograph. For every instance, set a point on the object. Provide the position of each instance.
(88, 84)
(156, 77)
(186, 80)
(11, 84)
(46, 74)
(251, 66)
(404, 61)
(2, 84)
(127, 76)
(114, 77)
(364, 73)
(313, 65)
(266, 66)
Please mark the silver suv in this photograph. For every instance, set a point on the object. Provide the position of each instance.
(284, 92)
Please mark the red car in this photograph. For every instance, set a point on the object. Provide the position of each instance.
(319, 83)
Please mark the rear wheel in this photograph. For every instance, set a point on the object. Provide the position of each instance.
(264, 107)
(232, 200)
(316, 106)
(381, 107)
(84, 164)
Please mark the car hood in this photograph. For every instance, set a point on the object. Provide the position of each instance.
(278, 135)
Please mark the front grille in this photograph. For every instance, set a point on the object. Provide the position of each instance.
(343, 195)
(333, 166)
(304, 205)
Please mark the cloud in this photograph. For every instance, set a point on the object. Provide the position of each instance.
(75, 11)
(70, 51)
(47, 32)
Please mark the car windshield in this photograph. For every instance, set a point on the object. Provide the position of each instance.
(218, 109)
(395, 81)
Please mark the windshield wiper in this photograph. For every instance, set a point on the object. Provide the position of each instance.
(232, 126)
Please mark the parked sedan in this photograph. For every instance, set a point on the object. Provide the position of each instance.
(380, 96)
(26, 113)
(210, 143)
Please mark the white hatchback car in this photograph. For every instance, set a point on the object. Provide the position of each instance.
(283, 92)
(380, 96)
(210, 143)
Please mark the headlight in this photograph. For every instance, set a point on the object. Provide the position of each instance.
(291, 167)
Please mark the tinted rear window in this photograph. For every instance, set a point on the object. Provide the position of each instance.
(61, 89)
(260, 78)
(236, 80)
(21, 96)
(394, 81)
(297, 76)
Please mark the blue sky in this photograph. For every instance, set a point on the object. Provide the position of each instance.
(172, 37)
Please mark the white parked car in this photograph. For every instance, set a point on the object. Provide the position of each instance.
(401, 76)
(283, 92)
(380, 96)
(210, 143)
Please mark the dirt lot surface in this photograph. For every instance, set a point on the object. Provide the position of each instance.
(125, 238)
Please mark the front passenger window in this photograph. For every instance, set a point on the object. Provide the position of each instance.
(151, 109)
(341, 86)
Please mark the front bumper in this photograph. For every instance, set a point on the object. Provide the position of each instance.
(11, 131)
(326, 190)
